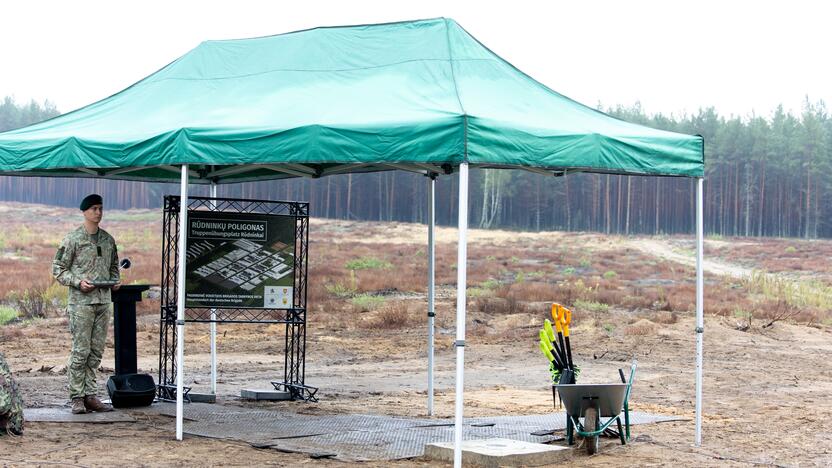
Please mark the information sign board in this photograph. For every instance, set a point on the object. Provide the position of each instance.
(240, 260)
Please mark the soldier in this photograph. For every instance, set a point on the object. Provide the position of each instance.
(11, 405)
(87, 255)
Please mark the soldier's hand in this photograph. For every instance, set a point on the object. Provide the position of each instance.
(86, 287)
(116, 286)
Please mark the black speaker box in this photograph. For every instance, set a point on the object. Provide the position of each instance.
(131, 390)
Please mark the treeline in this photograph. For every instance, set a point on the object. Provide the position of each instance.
(765, 176)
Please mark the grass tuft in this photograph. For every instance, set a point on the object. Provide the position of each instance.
(7, 314)
(367, 302)
(368, 263)
(591, 306)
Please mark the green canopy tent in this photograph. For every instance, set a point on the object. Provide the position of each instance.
(422, 96)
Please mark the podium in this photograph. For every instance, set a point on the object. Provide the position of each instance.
(124, 326)
(127, 388)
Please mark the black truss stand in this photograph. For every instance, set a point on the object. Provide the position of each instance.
(294, 343)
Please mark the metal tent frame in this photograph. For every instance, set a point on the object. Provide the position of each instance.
(461, 119)
(462, 257)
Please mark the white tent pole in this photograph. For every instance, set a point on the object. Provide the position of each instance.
(700, 319)
(461, 268)
(431, 287)
(180, 302)
(213, 315)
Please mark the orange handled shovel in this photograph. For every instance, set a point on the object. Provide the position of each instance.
(567, 319)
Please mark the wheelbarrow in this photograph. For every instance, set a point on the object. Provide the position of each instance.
(587, 404)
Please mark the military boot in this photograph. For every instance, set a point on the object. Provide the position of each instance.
(94, 404)
(78, 406)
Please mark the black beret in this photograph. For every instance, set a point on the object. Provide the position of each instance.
(90, 200)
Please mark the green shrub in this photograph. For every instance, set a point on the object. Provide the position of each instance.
(479, 292)
(56, 294)
(367, 302)
(610, 274)
(368, 263)
(31, 303)
(490, 284)
(7, 314)
(791, 249)
(569, 271)
(340, 290)
(591, 306)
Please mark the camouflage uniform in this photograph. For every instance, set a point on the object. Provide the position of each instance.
(81, 258)
(11, 404)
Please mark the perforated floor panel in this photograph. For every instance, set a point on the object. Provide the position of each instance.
(358, 437)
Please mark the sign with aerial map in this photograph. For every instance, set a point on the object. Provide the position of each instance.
(240, 260)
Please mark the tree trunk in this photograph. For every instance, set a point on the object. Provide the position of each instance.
(568, 207)
(485, 194)
(760, 225)
(656, 229)
(627, 219)
(808, 203)
(349, 196)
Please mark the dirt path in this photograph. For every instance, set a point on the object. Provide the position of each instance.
(663, 249)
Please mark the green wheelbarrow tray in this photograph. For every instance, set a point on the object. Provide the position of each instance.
(607, 398)
(591, 403)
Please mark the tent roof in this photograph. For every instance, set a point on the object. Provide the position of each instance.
(418, 95)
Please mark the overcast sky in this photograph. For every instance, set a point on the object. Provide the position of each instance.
(672, 56)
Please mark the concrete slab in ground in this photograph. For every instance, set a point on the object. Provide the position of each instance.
(202, 397)
(499, 452)
(264, 395)
(63, 415)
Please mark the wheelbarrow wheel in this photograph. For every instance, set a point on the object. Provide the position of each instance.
(591, 425)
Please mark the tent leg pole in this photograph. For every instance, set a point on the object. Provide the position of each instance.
(180, 302)
(213, 316)
(462, 260)
(431, 286)
(700, 319)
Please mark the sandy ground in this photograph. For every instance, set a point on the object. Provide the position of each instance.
(766, 390)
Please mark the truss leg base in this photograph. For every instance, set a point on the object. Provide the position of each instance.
(297, 391)
(168, 393)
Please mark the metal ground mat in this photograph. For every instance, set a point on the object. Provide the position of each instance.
(358, 437)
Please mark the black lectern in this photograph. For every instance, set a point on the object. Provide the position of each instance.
(127, 388)
(124, 326)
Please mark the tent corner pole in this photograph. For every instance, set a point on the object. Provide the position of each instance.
(213, 326)
(700, 316)
(180, 301)
(431, 287)
(462, 261)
